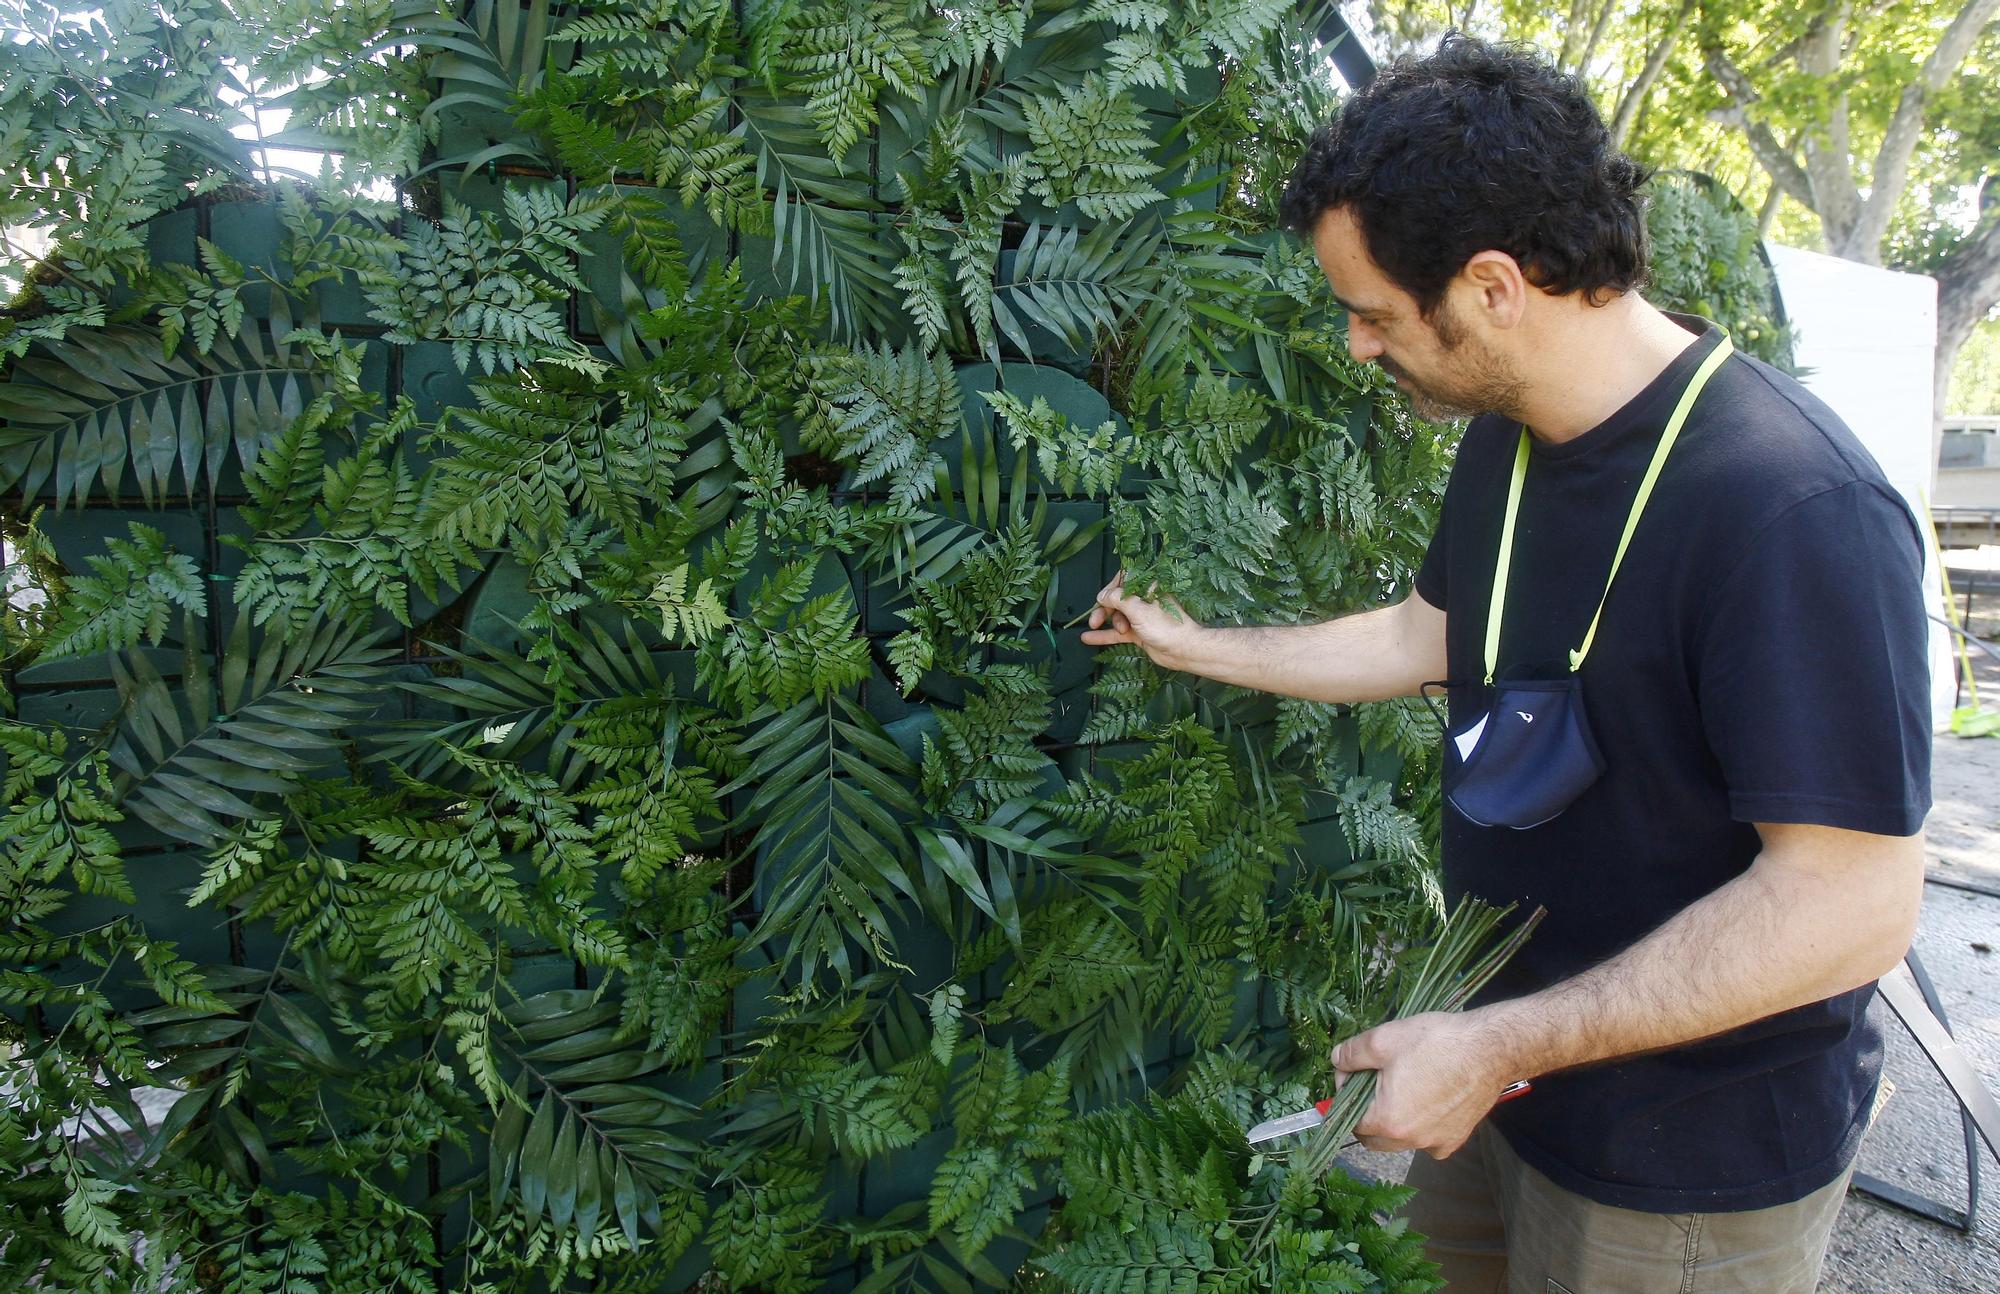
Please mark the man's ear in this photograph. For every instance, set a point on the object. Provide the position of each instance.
(1491, 283)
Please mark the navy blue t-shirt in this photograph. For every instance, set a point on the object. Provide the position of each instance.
(1762, 658)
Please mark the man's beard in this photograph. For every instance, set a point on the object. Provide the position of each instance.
(1432, 405)
(1483, 385)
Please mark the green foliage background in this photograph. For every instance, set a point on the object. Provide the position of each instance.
(1975, 383)
(556, 743)
(1706, 260)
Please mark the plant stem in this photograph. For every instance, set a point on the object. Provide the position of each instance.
(1451, 971)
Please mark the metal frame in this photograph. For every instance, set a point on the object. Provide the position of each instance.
(1917, 1006)
(1946, 516)
(1343, 45)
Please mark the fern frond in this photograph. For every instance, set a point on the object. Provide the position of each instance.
(1092, 147)
(1375, 827)
(842, 56)
(1090, 462)
(882, 410)
(133, 594)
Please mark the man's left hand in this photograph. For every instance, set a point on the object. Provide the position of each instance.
(1437, 1076)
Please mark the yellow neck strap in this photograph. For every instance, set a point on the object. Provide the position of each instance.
(1505, 560)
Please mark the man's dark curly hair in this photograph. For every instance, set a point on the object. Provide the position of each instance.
(1477, 146)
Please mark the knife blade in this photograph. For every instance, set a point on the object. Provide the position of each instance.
(1308, 1119)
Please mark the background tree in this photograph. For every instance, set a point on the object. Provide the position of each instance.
(1882, 122)
(1975, 383)
(1869, 130)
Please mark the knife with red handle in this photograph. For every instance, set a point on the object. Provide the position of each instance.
(1307, 1120)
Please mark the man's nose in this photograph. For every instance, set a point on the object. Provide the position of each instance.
(1362, 342)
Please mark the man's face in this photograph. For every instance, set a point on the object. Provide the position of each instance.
(1441, 364)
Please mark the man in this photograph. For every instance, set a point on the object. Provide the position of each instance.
(1722, 814)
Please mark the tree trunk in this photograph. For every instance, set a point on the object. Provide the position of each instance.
(1968, 289)
(1571, 30)
(1890, 174)
(1829, 161)
(1769, 211)
(1637, 93)
(1596, 34)
(1628, 106)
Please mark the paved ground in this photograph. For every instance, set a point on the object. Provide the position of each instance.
(1879, 1249)
(1962, 831)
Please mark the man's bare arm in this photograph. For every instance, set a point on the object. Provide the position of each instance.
(1821, 911)
(1364, 657)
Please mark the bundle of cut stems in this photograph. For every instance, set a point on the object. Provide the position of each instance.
(1442, 977)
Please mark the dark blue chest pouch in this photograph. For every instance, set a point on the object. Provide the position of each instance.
(1531, 754)
(1527, 759)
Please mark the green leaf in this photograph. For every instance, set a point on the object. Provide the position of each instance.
(564, 1172)
(85, 392)
(537, 1155)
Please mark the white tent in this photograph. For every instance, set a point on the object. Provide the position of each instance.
(1867, 338)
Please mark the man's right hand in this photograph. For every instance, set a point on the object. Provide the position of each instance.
(1167, 634)
(1386, 652)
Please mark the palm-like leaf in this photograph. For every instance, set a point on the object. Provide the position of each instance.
(498, 50)
(823, 231)
(1080, 286)
(580, 1138)
(86, 408)
(507, 704)
(212, 1050)
(829, 807)
(1209, 279)
(198, 756)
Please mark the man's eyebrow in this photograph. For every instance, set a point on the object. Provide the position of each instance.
(1349, 306)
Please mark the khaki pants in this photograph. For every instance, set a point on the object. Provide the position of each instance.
(1497, 1226)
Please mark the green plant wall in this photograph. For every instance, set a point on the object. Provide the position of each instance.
(547, 746)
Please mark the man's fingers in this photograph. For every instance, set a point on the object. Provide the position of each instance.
(1385, 1129)
(1358, 1052)
(1370, 1133)
(1109, 623)
(1445, 1152)
(1110, 628)
(1113, 597)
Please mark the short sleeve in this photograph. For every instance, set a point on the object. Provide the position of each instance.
(1813, 670)
(1430, 580)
